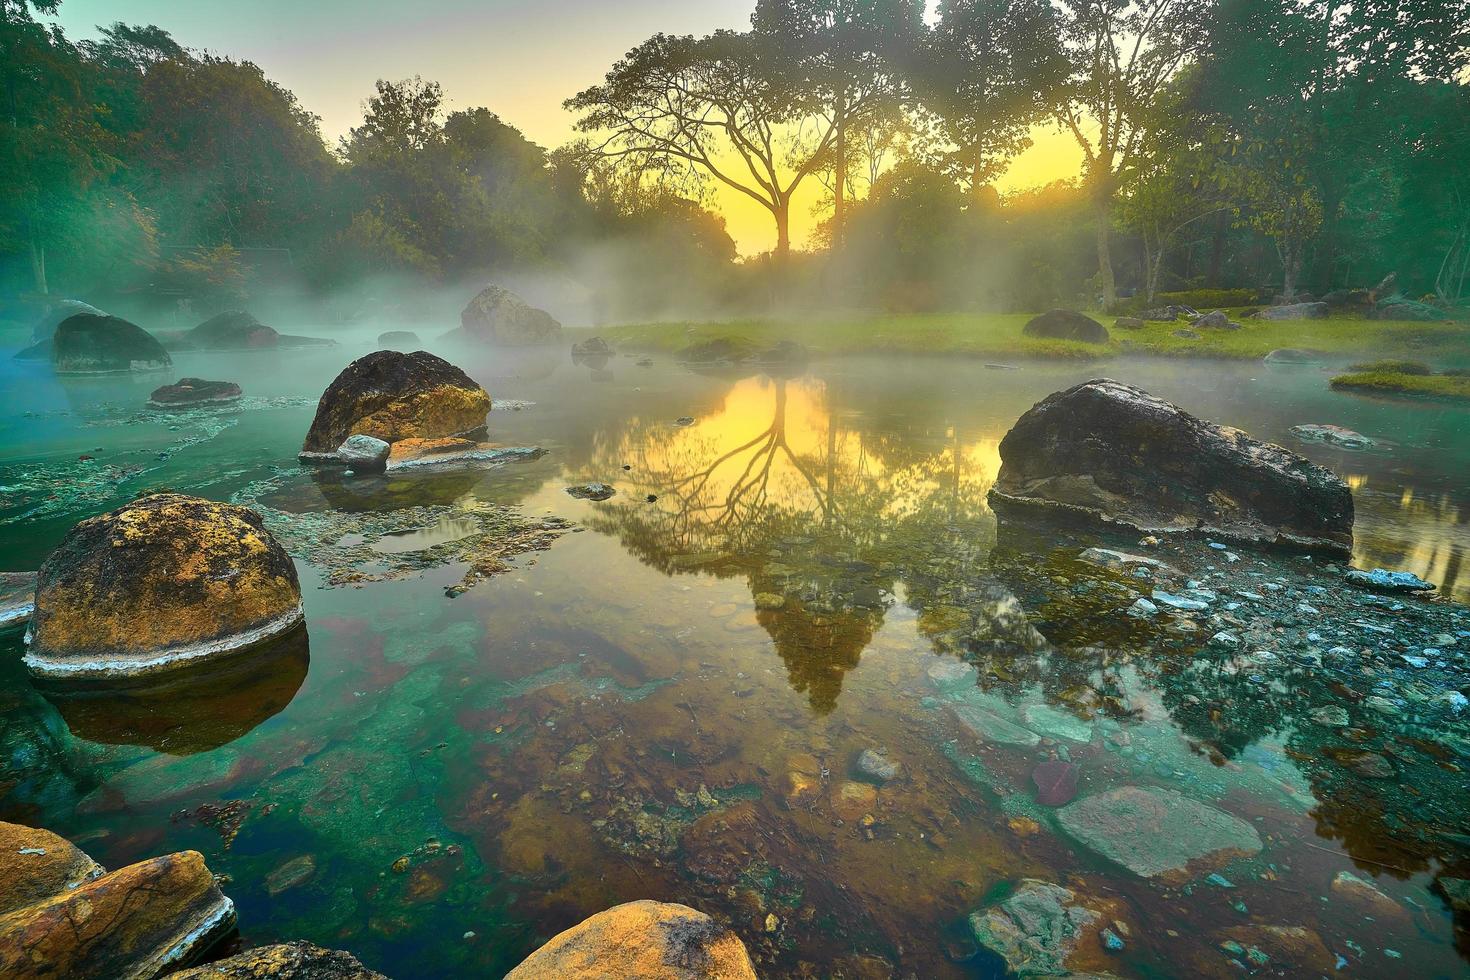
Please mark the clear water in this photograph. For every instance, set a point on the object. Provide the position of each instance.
(503, 763)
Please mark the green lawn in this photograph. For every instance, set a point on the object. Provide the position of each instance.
(998, 336)
(1437, 387)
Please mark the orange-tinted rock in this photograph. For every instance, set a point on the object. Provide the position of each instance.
(287, 961)
(852, 800)
(644, 940)
(136, 922)
(164, 581)
(17, 597)
(392, 396)
(38, 864)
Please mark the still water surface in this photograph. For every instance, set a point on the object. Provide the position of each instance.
(669, 702)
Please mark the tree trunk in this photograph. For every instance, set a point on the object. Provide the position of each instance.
(782, 212)
(1291, 263)
(38, 266)
(1104, 210)
(839, 190)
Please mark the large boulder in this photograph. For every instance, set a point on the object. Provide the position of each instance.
(1158, 833)
(399, 340)
(38, 864)
(164, 581)
(17, 598)
(45, 327)
(1293, 311)
(391, 396)
(87, 343)
(190, 392)
(643, 940)
(1108, 453)
(240, 330)
(1066, 325)
(498, 316)
(1407, 309)
(285, 961)
(136, 923)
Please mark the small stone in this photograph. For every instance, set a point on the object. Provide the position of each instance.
(1143, 609)
(364, 454)
(1332, 715)
(591, 491)
(874, 765)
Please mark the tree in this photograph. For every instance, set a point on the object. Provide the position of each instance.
(987, 72)
(842, 60)
(709, 108)
(1122, 55)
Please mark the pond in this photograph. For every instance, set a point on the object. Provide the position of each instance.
(751, 681)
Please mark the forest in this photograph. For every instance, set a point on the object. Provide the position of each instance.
(1233, 151)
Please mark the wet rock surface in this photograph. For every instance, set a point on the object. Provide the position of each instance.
(188, 392)
(285, 961)
(591, 491)
(364, 454)
(1040, 929)
(1111, 453)
(38, 864)
(645, 940)
(499, 317)
(1333, 435)
(89, 344)
(393, 396)
(1158, 833)
(17, 598)
(161, 582)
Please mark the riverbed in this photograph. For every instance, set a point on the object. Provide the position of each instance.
(670, 699)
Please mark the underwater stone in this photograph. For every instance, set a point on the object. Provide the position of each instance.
(875, 765)
(1158, 833)
(1110, 454)
(990, 727)
(645, 940)
(166, 580)
(1382, 580)
(1037, 929)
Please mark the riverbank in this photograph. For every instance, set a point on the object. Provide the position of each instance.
(998, 335)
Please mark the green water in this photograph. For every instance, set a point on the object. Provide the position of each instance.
(438, 784)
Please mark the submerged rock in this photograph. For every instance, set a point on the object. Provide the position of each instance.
(720, 350)
(1066, 325)
(644, 940)
(876, 766)
(1292, 355)
(392, 396)
(1038, 930)
(591, 491)
(89, 344)
(498, 316)
(419, 454)
(1108, 453)
(1293, 311)
(188, 392)
(286, 961)
(1158, 833)
(138, 922)
(17, 598)
(364, 454)
(164, 581)
(592, 347)
(1332, 435)
(1382, 580)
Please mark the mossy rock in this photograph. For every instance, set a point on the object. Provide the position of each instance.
(90, 344)
(165, 581)
(392, 396)
(1066, 325)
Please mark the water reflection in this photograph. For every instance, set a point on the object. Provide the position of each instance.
(194, 709)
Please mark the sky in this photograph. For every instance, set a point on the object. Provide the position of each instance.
(519, 58)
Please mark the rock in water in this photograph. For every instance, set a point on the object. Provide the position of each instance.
(232, 330)
(1293, 311)
(500, 317)
(166, 580)
(17, 598)
(1038, 930)
(391, 396)
(138, 922)
(364, 454)
(45, 327)
(286, 961)
(1066, 325)
(1292, 355)
(189, 392)
(399, 340)
(591, 491)
(1108, 453)
(1333, 435)
(38, 864)
(1382, 580)
(644, 940)
(1158, 833)
(91, 344)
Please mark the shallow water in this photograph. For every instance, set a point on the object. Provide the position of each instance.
(670, 702)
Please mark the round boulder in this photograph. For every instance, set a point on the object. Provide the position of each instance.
(647, 940)
(189, 392)
(233, 330)
(392, 396)
(500, 317)
(90, 344)
(164, 581)
(45, 327)
(1066, 325)
(398, 340)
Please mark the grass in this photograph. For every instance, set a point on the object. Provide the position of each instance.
(996, 336)
(1439, 387)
